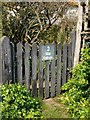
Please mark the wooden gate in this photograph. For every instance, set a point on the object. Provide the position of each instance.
(42, 78)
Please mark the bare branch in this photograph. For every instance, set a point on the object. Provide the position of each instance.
(38, 18)
(33, 40)
(47, 15)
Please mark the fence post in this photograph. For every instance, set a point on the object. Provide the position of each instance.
(78, 36)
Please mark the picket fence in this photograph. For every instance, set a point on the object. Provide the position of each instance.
(23, 64)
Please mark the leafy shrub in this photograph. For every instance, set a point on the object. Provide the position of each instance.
(77, 89)
(17, 103)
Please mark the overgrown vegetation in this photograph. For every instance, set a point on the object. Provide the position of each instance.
(36, 21)
(17, 103)
(77, 89)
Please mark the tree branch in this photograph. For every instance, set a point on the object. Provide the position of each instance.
(38, 18)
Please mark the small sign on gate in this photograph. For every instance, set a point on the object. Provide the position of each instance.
(47, 52)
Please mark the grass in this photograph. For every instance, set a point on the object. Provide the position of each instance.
(53, 108)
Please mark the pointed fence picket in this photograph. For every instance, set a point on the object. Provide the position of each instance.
(59, 68)
(41, 91)
(27, 65)
(34, 70)
(19, 63)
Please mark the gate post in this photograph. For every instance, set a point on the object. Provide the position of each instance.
(78, 36)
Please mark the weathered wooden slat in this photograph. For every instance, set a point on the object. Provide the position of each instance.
(59, 67)
(69, 60)
(73, 41)
(27, 65)
(19, 63)
(34, 70)
(53, 71)
(8, 53)
(6, 57)
(64, 75)
(5, 65)
(47, 80)
(40, 74)
(13, 61)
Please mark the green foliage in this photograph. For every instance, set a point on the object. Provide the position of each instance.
(77, 89)
(50, 35)
(34, 21)
(17, 103)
